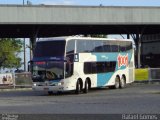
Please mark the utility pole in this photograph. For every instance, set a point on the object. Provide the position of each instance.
(24, 44)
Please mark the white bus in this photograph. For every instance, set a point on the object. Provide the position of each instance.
(81, 63)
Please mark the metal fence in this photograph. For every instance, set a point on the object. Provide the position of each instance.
(154, 74)
(15, 80)
(147, 74)
(23, 79)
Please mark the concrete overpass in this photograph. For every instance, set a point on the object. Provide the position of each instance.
(42, 21)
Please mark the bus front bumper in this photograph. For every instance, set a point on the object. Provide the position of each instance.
(48, 88)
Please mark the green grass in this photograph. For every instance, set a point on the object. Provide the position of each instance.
(141, 74)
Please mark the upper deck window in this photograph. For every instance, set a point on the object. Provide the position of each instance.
(49, 48)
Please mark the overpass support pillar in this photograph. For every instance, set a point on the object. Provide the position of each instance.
(33, 41)
(32, 46)
(138, 51)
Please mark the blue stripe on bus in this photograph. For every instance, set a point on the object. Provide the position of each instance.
(103, 78)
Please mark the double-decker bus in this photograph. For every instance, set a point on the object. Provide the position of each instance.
(81, 63)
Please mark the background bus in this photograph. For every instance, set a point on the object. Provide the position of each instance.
(81, 63)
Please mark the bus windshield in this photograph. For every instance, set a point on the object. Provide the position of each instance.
(49, 49)
(50, 70)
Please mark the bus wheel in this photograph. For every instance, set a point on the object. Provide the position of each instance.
(122, 82)
(78, 87)
(117, 83)
(86, 87)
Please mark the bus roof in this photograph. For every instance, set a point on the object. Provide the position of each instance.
(67, 38)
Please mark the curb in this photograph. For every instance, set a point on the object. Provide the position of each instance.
(146, 82)
(15, 89)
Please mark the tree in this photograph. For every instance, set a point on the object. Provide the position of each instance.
(9, 50)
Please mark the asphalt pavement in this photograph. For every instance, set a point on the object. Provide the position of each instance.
(134, 99)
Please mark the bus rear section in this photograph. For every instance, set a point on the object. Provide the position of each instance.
(104, 62)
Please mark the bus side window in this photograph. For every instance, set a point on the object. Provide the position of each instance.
(128, 45)
(115, 46)
(70, 47)
(122, 46)
(69, 58)
(69, 69)
(106, 46)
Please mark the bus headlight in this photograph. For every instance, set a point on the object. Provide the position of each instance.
(60, 83)
(34, 84)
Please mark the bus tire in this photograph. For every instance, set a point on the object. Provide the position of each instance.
(78, 87)
(123, 82)
(86, 86)
(117, 83)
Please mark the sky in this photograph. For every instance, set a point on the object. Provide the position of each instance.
(87, 2)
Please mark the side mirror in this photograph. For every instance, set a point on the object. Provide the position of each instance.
(30, 63)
